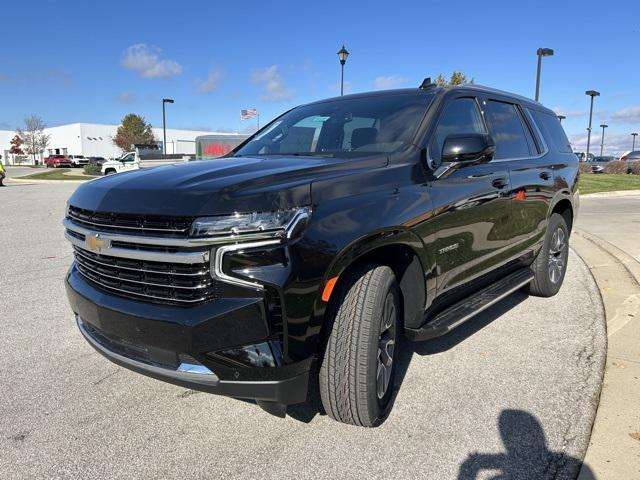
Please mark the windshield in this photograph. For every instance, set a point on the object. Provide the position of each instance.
(350, 127)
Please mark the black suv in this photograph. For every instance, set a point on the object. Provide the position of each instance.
(316, 243)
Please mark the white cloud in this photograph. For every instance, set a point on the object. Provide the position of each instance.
(274, 89)
(614, 143)
(210, 84)
(250, 129)
(569, 113)
(124, 97)
(627, 115)
(335, 87)
(146, 62)
(386, 83)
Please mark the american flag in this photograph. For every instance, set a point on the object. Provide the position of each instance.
(248, 114)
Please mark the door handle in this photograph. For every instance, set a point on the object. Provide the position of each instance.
(499, 182)
(545, 175)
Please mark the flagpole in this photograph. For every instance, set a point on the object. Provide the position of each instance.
(258, 118)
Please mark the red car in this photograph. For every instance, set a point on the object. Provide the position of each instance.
(56, 161)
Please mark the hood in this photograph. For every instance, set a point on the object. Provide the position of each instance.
(208, 187)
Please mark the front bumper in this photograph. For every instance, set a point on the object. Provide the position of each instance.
(178, 345)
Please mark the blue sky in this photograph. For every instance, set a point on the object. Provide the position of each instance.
(96, 61)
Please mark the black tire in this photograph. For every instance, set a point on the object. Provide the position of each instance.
(365, 315)
(550, 265)
(110, 171)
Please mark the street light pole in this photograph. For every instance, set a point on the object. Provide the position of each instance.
(542, 52)
(342, 56)
(634, 135)
(603, 126)
(561, 117)
(164, 126)
(592, 94)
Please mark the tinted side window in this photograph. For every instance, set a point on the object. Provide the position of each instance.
(551, 128)
(460, 116)
(507, 130)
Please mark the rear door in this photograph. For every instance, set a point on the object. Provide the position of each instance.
(521, 148)
(472, 207)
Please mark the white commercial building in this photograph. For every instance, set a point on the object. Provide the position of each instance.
(96, 140)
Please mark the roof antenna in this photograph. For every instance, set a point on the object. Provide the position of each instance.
(426, 83)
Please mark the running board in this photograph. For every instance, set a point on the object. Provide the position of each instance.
(460, 312)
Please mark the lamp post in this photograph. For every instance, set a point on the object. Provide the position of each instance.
(592, 94)
(542, 52)
(561, 117)
(603, 126)
(634, 135)
(164, 125)
(342, 56)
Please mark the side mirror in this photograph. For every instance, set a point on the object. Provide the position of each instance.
(468, 149)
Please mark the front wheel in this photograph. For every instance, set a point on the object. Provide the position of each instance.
(358, 369)
(550, 265)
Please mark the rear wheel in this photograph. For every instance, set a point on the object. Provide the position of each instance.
(550, 265)
(111, 171)
(358, 369)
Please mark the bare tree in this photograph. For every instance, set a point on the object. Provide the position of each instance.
(33, 136)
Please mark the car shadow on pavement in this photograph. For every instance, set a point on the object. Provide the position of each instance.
(469, 328)
(305, 412)
(526, 457)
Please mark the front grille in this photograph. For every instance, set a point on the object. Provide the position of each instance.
(156, 282)
(130, 224)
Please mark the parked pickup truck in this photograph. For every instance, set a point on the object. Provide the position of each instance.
(312, 247)
(143, 156)
(78, 160)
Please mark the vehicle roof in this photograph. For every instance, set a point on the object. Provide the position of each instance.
(442, 90)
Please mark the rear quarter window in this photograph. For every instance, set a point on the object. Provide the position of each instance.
(550, 126)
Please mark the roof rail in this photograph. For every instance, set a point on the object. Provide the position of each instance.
(426, 83)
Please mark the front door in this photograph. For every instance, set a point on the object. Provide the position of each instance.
(471, 204)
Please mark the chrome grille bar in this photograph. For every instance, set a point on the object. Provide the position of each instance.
(151, 256)
(105, 225)
(79, 251)
(162, 224)
(171, 242)
(142, 295)
(84, 265)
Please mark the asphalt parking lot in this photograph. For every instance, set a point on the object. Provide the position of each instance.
(512, 392)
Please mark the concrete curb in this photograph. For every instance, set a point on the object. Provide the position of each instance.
(36, 181)
(617, 193)
(614, 447)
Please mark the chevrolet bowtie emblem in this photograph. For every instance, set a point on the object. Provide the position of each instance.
(96, 243)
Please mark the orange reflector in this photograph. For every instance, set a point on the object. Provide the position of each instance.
(328, 288)
(521, 195)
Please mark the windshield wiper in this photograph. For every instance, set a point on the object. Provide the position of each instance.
(287, 154)
(309, 154)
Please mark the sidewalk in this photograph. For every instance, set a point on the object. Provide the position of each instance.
(614, 447)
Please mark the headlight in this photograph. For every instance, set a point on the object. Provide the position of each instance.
(239, 223)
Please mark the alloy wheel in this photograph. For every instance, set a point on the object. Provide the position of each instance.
(557, 255)
(386, 346)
